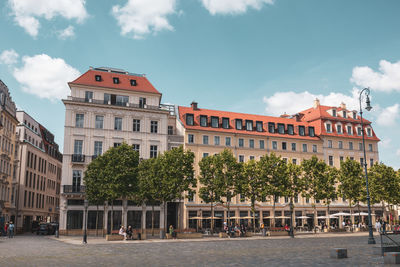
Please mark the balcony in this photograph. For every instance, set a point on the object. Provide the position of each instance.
(74, 189)
(120, 104)
(78, 158)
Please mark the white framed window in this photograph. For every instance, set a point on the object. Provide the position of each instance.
(190, 138)
(216, 140)
(241, 158)
(329, 143)
(349, 130)
(262, 144)
(98, 148)
(117, 124)
(241, 142)
(339, 128)
(205, 139)
(99, 122)
(79, 119)
(154, 126)
(153, 151)
(274, 145)
(328, 127)
(251, 143)
(227, 141)
(136, 125)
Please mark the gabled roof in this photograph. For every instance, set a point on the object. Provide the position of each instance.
(142, 84)
(321, 112)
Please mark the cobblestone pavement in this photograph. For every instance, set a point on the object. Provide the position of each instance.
(300, 251)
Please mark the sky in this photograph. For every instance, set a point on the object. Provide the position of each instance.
(252, 56)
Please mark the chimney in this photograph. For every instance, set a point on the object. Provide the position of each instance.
(343, 106)
(316, 103)
(194, 105)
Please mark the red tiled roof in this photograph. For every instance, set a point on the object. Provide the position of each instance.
(233, 115)
(142, 84)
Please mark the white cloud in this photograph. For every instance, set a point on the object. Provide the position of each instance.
(386, 79)
(398, 152)
(139, 18)
(9, 57)
(388, 116)
(45, 77)
(233, 6)
(27, 12)
(66, 33)
(292, 102)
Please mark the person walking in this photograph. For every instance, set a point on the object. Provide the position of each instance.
(378, 226)
(11, 230)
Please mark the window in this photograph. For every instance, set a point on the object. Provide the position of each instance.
(203, 120)
(281, 128)
(241, 142)
(79, 120)
(370, 147)
(351, 158)
(136, 147)
(190, 138)
(284, 145)
(227, 141)
(259, 126)
(290, 129)
(205, 155)
(76, 180)
(302, 130)
(225, 123)
(293, 146)
(358, 130)
(98, 148)
(349, 130)
(251, 157)
(98, 124)
(116, 80)
(249, 125)
(344, 114)
(314, 148)
(133, 82)
(339, 129)
(142, 102)
(354, 115)
(341, 158)
(170, 130)
(271, 127)
(78, 144)
(371, 162)
(340, 144)
(153, 151)
(136, 125)
(117, 124)
(294, 161)
(360, 146)
(311, 131)
(121, 100)
(239, 124)
(304, 147)
(274, 145)
(216, 140)
(328, 128)
(262, 144)
(205, 139)
(190, 119)
(369, 132)
(330, 160)
(351, 145)
(214, 122)
(154, 126)
(334, 112)
(88, 96)
(362, 162)
(329, 143)
(241, 158)
(97, 78)
(251, 143)
(117, 144)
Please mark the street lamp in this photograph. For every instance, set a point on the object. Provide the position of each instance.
(85, 205)
(371, 239)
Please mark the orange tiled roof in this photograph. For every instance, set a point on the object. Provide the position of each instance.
(142, 84)
(233, 115)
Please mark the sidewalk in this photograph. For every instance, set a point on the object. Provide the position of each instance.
(77, 240)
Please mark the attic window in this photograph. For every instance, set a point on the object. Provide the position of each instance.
(116, 80)
(133, 82)
(97, 78)
(355, 115)
(334, 112)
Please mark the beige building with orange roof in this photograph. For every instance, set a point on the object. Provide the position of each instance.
(330, 133)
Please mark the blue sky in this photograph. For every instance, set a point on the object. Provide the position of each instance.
(253, 56)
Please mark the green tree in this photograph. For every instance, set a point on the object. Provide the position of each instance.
(116, 171)
(332, 177)
(273, 171)
(351, 181)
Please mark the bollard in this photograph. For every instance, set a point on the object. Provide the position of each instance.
(391, 258)
(57, 235)
(339, 253)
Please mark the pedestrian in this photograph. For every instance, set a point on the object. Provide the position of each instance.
(171, 231)
(384, 227)
(11, 230)
(122, 232)
(6, 228)
(378, 226)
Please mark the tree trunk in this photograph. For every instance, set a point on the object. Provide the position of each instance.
(212, 219)
(329, 219)
(228, 222)
(253, 209)
(112, 217)
(104, 220)
(383, 210)
(315, 216)
(97, 219)
(165, 217)
(152, 220)
(351, 214)
(273, 213)
(359, 216)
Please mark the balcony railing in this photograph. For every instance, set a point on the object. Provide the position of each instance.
(78, 158)
(74, 189)
(121, 104)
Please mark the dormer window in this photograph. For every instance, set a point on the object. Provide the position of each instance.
(190, 119)
(369, 132)
(359, 131)
(225, 123)
(271, 127)
(116, 80)
(249, 125)
(239, 124)
(328, 128)
(259, 126)
(345, 114)
(214, 122)
(302, 130)
(133, 82)
(354, 115)
(290, 129)
(97, 78)
(311, 131)
(203, 120)
(281, 128)
(334, 112)
(339, 128)
(349, 130)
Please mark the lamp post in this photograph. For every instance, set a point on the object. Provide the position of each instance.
(371, 239)
(291, 231)
(85, 205)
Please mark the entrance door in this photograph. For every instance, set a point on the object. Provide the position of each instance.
(172, 214)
